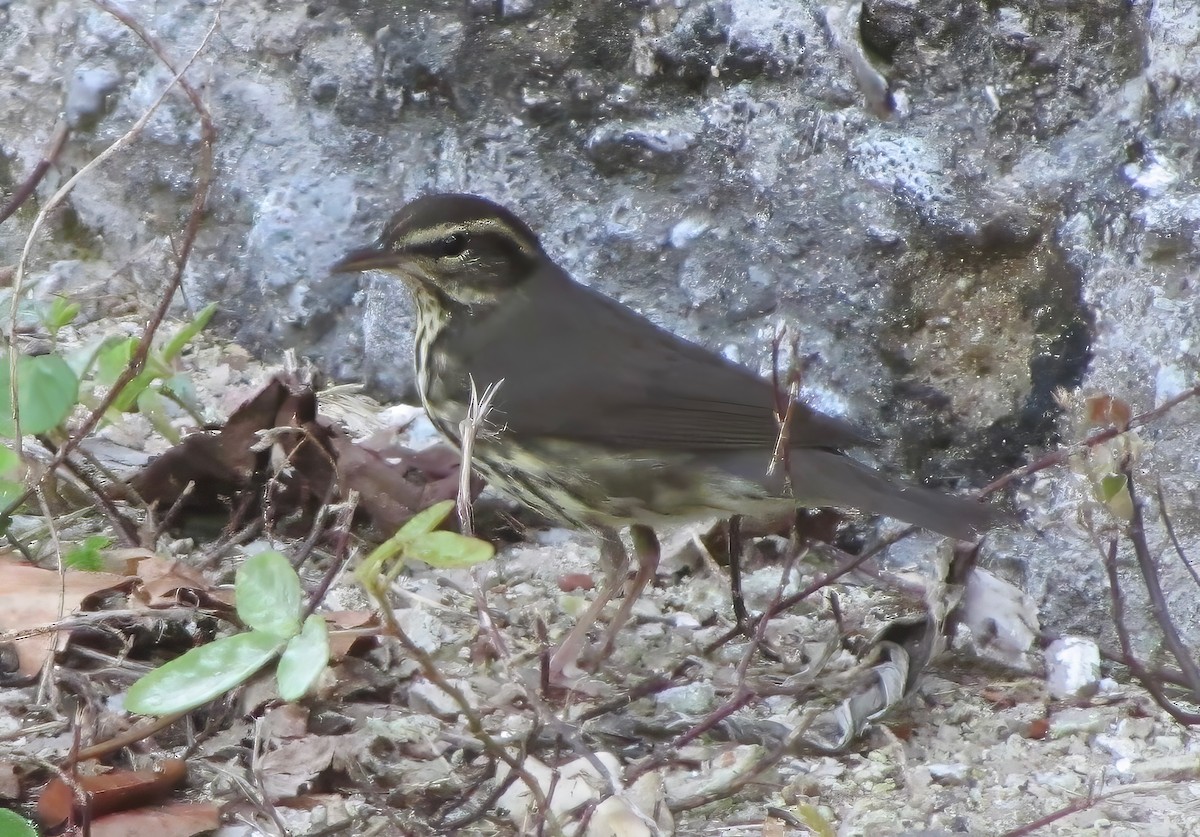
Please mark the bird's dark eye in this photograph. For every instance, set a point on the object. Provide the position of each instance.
(452, 246)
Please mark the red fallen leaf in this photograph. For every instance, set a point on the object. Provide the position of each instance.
(1038, 729)
(569, 582)
(108, 792)
(1105, 410)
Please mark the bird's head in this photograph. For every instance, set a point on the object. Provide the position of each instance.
(453, 249)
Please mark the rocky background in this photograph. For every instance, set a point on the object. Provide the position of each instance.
(971, 213)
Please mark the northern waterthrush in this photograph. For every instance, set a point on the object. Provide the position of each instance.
(603, 419)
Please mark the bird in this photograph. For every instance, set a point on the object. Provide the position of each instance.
(601, 419)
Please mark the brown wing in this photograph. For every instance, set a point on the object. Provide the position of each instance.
(587, 368)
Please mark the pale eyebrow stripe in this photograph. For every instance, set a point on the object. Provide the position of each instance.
(428, 235)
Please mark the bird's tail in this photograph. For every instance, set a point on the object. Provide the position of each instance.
(823, 477)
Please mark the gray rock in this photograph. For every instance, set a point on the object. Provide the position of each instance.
(616, 147)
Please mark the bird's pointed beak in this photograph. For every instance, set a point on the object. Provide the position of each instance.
(374, 257)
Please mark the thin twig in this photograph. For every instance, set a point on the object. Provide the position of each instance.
(234, 534)
(1086, 802)
(1166, 519)
(172, 514)
(1135, 666)
(760, 766)
(652, 685)
(341, 555)
(48, 666)
(1158, 600)
(733, 543)
(785, 412)
(58, 139)
(126, 530)
(99, 618)
(469, 429)
(1059, 457)
(850, 564)
(432, 672)
(741, 697)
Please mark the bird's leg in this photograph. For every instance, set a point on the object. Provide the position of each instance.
(564, 665)
(648, 551)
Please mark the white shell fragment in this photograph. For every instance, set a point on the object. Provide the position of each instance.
(1072, 667)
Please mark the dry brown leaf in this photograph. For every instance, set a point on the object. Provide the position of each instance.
(165, 583)
(310, 462)
(347, 627)
(1105, 410)
(220, 464)
(32, 598)
(289, 768)
(10, 782)
(396, 483)
(178, 819)
(288, 720)
(119, 790)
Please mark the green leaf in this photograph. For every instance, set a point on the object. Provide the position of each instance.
(61, 312)
(202, 674)
(812, 818)
(112, 361)
(306, 656)
(267, 594)
(9, 461)
(183, 390)
(1113, 491)
(47, 389)
(112, 358)
(133, 390)
(14, 825)
(393, 548)
(153, 406)
(188, 333)
(86, 555)
(425, 521)
(449, 550)
(1110, 486)
(10, 490)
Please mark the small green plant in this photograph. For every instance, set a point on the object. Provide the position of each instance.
(268, 600)
(50, 386)
(417, 540)
(87, 555)
(59, 314)
(157, 383)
